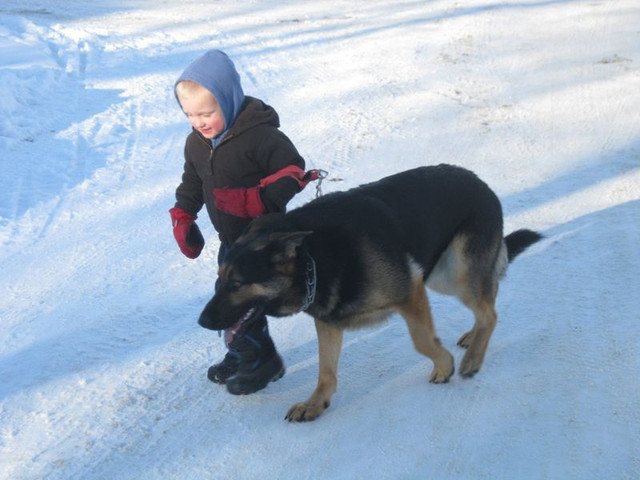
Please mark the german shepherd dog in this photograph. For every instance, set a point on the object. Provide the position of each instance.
(350, 259)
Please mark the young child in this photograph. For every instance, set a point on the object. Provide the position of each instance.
(240, 166)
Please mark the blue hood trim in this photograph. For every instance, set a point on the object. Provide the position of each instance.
(216, 72)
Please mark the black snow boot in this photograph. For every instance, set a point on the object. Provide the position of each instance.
(259, 363)
(220, 372)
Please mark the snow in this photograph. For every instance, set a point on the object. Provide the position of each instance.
(102, 364)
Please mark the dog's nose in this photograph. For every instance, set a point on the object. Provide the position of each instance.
(206, 319)
(214, 315)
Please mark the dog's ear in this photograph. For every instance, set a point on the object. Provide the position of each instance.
(287, 242)
(262, 223)
(257, 228)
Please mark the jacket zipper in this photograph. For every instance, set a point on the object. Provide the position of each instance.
(211, 149)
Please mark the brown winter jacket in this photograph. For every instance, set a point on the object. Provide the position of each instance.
(252, 149)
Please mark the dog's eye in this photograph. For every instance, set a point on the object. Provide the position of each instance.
(234, 285)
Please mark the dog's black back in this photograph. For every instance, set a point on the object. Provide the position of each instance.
(417, 211)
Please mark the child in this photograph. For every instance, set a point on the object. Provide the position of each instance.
(240, 165)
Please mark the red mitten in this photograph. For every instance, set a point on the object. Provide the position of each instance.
(186, 232)
(240, 202)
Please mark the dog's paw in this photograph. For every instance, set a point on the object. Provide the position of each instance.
(468, 372)
(470, 364)
(465, 340)
(305, 412)
(443, 370)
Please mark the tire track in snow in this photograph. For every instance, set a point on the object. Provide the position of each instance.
(70, 60)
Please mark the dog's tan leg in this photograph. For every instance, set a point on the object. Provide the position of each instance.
(417, 314)
(477, 339)
(329, 347)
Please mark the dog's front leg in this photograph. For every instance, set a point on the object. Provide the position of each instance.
(329, 346)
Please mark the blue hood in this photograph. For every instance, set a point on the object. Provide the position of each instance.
(215, 71)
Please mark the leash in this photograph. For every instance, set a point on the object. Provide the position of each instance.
(296, 173)
(322, 174)
(313, 175)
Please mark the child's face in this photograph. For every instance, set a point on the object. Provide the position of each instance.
(203, 113)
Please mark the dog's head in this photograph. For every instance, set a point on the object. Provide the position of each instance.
(263, 273)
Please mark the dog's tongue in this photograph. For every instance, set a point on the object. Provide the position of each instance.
(230, 333)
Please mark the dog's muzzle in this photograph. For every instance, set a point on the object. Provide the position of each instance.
(217, 317)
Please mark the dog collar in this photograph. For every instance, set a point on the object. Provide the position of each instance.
(310, 282)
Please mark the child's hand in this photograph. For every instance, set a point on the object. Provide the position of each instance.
(186, 232)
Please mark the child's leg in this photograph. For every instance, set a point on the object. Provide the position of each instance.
(222, 371)
(259, 362)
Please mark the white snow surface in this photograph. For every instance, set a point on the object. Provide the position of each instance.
(102, 363)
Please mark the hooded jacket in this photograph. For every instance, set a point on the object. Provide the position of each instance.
(251, 148)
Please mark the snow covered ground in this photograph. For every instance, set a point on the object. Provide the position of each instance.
(102, 364)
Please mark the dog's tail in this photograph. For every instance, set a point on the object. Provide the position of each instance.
(518, 241)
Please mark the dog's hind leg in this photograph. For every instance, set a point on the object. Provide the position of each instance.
(472, 276)
(478, 292)
(417, 314)
(329, 347)
(476, 340)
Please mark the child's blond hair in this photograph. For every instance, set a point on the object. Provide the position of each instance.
(191, 89)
